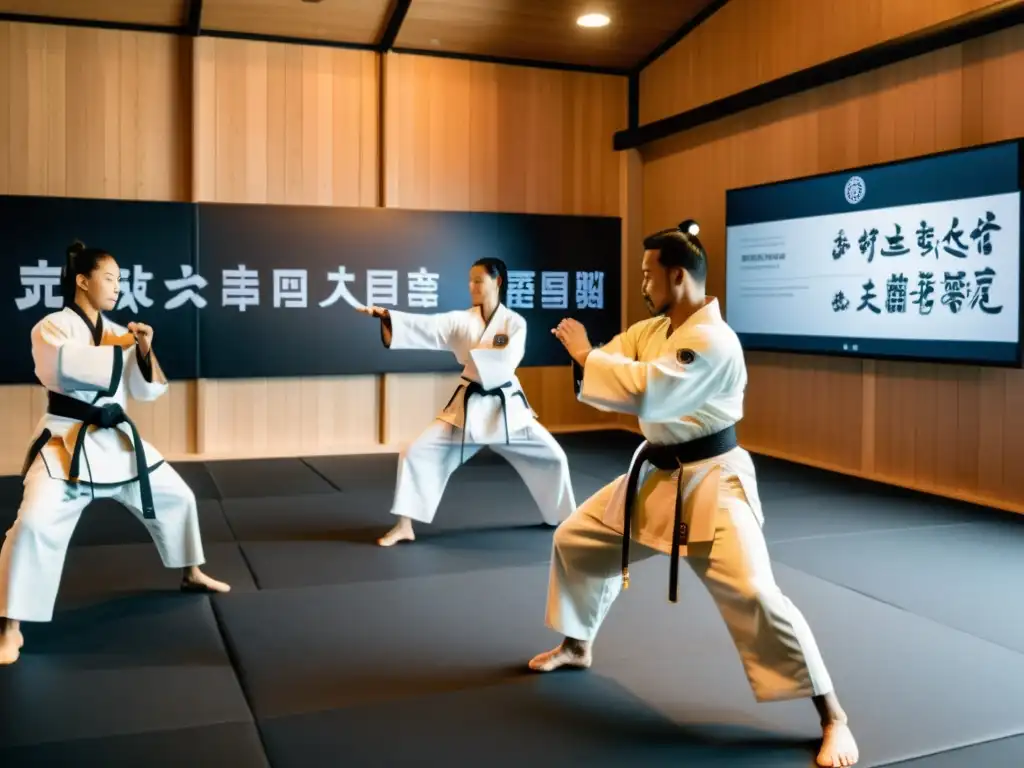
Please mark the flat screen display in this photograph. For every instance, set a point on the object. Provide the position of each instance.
(918, 259)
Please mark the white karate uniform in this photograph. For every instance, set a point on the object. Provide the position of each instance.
(99, 366)
(490, 353)
(681, 387)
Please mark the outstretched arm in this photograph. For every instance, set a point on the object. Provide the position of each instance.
(62, 365)
(404, 330)
(498, 364)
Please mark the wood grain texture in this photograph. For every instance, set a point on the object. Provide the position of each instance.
(285, 125)
(748, 42)
(164, 13)
(546, 30)
(463, 135)
(954, 430)
(99, 114)
(347, 21)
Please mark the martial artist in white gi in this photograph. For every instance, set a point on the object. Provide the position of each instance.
(86, 448)
(682, 373)
(487, 409)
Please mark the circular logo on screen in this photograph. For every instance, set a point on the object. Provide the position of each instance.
(855, 189)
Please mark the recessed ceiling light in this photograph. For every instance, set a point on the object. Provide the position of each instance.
(593, 20)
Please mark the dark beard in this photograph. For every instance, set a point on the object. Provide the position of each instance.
(654, 311)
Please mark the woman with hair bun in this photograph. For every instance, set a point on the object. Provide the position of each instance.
(487, 409)
(86, 448)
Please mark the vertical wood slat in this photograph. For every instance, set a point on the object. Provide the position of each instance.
(949, 429)
(99, 113)
(463, 135)
(93, 113)
(286, 125)
(748, 42)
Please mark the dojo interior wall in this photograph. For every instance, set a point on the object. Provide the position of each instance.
(955, 430)
(114, 114)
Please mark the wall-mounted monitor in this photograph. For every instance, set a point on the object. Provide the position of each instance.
(915, 260)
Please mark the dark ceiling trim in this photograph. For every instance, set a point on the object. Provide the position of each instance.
(985, 21)
(634, 100)
(514, 62)
(25, 18)
(194, 23)
(229, 35)
(703, 15)
(394, 25)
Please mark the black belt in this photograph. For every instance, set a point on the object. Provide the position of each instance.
(669, 457)
(104, 417)
(476, 388)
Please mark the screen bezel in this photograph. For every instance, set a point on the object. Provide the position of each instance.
(985, 362)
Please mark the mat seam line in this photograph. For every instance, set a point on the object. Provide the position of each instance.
(234, 535)
(321, 475)
(903, 529)
(954, 749)
(232, 654)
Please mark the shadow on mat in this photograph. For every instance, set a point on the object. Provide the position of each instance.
(575, 716)
(593, 703)
(135, 629)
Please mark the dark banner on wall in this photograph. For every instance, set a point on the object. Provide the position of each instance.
(236, 291)
(287, 282)
(154, 244)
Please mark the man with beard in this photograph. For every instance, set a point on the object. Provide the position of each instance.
(690, 490)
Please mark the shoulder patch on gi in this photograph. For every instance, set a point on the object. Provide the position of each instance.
(500, 340)
(686, 356)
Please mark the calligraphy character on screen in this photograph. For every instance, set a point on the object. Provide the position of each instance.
(487, 409)
(86, 448)
(690, 491)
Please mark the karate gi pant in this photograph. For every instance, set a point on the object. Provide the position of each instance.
(426, 465)
(33, 553)
(778, 651)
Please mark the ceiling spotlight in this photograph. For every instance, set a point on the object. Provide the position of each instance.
(690, 227)
(593, 20)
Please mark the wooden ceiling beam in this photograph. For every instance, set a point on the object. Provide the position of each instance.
(194, 23)
(985, 21)
(393, 25)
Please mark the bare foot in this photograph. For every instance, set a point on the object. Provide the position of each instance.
(838, 747)
(11, 642)
(571, 653)
(194, 580)
(401, 532)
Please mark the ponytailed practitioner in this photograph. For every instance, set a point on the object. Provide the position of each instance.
(487, 409)
(86, 447)
(690, 490)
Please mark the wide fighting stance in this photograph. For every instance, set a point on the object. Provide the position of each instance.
(690, 490)
(86, 447)
(488, 407)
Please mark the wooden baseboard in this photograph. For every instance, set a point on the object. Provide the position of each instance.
(353, 449)
(958, 494)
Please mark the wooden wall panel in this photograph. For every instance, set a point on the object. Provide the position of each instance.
(100, 114)
(463, 135)
(292, 125)
(749, 42)
(950, 429)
